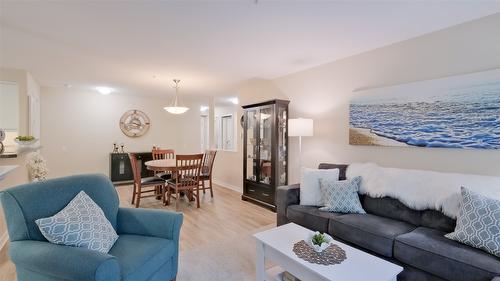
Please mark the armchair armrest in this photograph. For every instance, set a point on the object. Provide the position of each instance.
(64, 262)
(286, 196)
(148, 222)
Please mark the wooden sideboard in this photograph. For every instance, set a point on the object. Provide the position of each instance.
(120, 170)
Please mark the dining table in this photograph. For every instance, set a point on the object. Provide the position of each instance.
(161, 165)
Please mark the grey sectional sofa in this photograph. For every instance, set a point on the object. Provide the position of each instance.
(411, 238)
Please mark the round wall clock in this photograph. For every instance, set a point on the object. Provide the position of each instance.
(134, 123)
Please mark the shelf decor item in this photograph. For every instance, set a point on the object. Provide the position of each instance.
(265, 151)
(287, 276)
(25, 140)
(115, 148)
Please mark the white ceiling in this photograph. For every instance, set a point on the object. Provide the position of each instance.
(138, 47)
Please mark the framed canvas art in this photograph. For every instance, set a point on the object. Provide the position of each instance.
(460, 111)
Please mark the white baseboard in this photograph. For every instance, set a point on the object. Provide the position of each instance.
(229, 186)
(3, 239)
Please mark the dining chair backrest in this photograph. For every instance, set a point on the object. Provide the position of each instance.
(135, 167)
(188, 169)
(159, 154)
(208, 162)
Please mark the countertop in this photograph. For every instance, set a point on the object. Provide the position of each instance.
(4, 170)
(14, 152)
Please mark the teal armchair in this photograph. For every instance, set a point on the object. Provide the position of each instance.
(147, 248)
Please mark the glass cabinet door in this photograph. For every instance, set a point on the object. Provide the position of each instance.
(282, 144)
(251, 144)
(265, 144)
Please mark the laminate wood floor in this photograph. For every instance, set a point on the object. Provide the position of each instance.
(223, 216)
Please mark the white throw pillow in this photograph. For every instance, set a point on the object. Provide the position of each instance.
(310, 192)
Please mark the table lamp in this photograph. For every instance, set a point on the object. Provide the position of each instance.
(300, 127)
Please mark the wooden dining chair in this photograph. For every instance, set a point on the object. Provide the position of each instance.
(159, 154)
(206, 171)
(185, 179)
(141, 183)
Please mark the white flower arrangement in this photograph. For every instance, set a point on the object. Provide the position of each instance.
(37, 167)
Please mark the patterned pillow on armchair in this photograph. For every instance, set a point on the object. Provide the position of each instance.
(81, 223)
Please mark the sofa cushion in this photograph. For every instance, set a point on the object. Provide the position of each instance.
(139, 256)
(436, 219)
(410, 273)
(394, 209)
(369, 231)
(428, 250)
(310, 217)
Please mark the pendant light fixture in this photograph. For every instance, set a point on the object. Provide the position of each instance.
(176, 107)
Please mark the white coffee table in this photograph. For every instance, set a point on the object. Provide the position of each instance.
(276, 245)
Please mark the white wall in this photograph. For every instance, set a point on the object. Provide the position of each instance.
(9, 107)
(26, 84)
(323, 93)
(79, 128)
(225, 110)
(20, 77)
(34, 114)
(228, 166)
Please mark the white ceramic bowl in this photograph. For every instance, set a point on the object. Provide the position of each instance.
(24, 143)
(323, 246)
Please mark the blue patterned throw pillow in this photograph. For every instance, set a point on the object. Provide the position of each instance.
(341, 196)
(478, 222)
(81, 223)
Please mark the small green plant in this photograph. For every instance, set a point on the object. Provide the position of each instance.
(25, 138)
(318, 239)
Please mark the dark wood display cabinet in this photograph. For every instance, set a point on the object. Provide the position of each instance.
(265, 151)
(120, 170)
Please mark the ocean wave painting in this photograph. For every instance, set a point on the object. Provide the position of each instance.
(454, 112)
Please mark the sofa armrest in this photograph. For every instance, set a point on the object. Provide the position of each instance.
(148, 222)
(64, 262)
(286, 196)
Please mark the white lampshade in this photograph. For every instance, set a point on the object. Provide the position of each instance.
(176, 107)
(300, 127)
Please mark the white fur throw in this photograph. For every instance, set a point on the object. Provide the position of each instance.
(420, 189)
